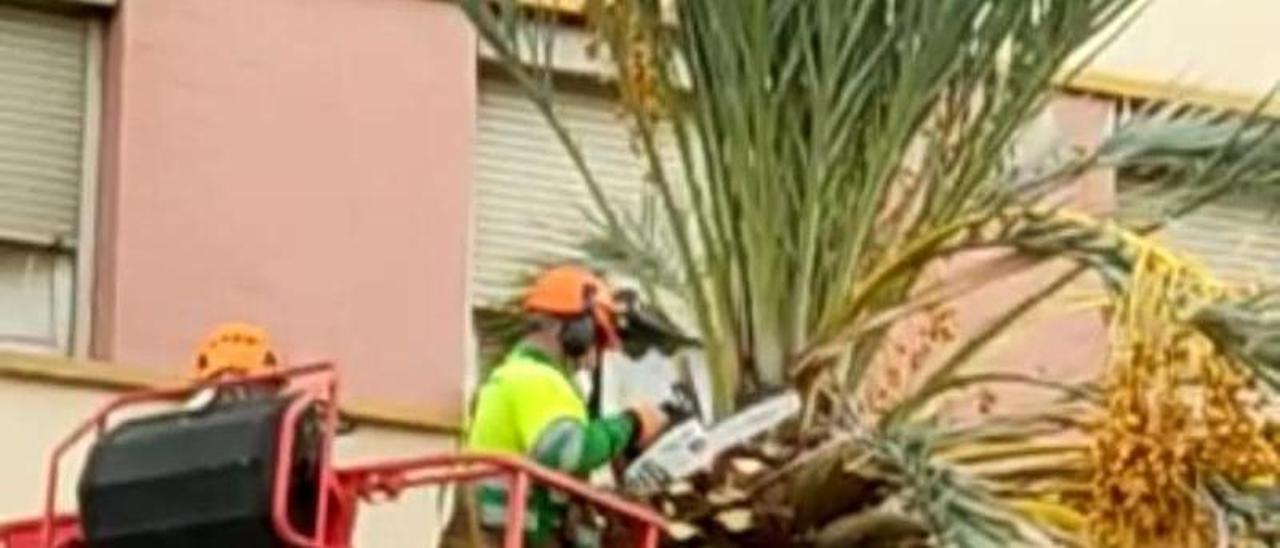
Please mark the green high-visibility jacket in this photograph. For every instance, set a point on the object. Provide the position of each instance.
(529, 406)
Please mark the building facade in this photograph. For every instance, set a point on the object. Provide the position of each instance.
(352, 175)
(169, 165)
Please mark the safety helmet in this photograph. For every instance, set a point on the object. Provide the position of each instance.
(582, 300)
(234, 349)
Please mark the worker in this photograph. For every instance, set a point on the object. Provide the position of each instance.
(238, 350)
(230, 351)
(529, 406)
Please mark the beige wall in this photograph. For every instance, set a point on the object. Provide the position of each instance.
(1223, 48)
(34, 416)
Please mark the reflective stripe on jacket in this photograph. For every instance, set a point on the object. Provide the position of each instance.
(529, 406)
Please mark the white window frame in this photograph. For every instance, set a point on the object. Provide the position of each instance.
(84, 257)
(87, 230)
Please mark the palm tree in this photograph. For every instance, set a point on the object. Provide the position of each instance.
(827, 154)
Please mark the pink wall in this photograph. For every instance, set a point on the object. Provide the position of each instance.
(1062, 340)
(1059, 340)
(304, 164)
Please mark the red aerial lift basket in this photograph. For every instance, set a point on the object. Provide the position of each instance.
(341, 490)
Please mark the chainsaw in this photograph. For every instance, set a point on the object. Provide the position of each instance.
(690, 446)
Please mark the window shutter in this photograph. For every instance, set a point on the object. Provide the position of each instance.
(1236, 237)
(42, 108)
(531, 205)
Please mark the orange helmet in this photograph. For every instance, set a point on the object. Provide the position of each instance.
(235, 349)
(572, 292)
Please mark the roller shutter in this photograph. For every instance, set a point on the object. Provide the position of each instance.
(44, 57)
(42, 110)
(530, 204)
(1237, 238)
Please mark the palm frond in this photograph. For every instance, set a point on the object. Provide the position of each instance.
(1247, 328)
(1195, 155)
(959, 507)
(1252, 510)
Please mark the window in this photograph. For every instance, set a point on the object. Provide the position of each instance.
(1236, 237)
(47, 119)
(530, 202)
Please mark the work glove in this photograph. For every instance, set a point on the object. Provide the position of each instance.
(678, 412)
(652, 420)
